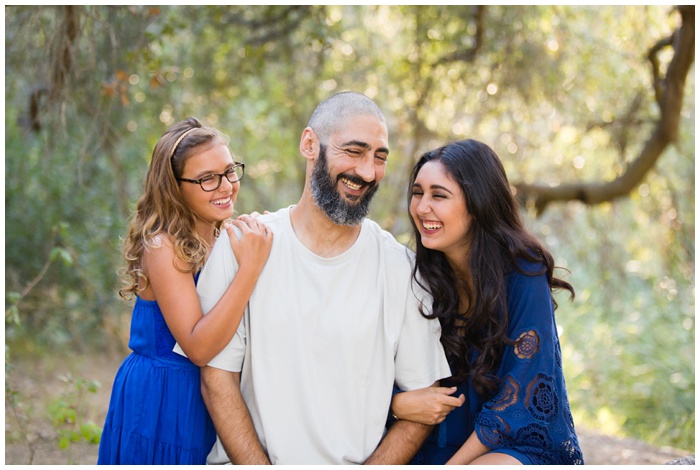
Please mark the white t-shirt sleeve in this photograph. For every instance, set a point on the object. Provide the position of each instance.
(420, 359)
(213, 281)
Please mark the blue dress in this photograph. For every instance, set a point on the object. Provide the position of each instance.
(528, 417)
(156, 413)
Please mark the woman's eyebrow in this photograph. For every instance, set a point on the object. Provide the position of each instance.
(210, 172)
(437, 186)
(433, 187)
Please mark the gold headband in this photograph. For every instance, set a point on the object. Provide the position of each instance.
(177, 142)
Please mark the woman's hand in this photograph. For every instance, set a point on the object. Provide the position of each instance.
(253, 248)
(429, 405)
(254, 214)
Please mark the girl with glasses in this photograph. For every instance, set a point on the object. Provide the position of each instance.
(156, 413)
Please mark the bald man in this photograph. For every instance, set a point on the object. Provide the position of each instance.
(334, 320)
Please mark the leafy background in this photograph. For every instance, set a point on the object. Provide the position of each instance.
(562, 93)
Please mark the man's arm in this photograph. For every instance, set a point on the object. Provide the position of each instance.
(400, 443)
(234, 426)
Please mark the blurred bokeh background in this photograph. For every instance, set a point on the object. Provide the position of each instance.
(591, 109)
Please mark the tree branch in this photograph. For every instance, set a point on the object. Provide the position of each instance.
(276, 24)
(62, 63)
(652, 56)
(670, 99)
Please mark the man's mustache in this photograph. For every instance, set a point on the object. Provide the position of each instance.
(357, 180)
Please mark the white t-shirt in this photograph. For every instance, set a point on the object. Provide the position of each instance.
(322, 342)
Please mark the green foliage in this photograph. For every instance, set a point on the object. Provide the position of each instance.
(13, 321)
(629, 349)
(562, 93)
(628, 339)
(68, 414)
(16, 428)
(12, 312)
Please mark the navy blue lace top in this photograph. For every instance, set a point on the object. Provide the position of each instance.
(529, 417)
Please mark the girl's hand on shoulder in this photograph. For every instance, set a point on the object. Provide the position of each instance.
(429, 405)
(253, 214)
(253, 248)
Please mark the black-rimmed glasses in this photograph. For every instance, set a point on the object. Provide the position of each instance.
(211, 183)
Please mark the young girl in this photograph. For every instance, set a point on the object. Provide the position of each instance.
(492, 286)
(156, 413)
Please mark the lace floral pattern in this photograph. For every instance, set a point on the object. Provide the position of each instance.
(507, 395)
(572, 452)
(527, 345)
(528, 415)
(534, 435)
(493, 430)
(541, 399)
(531, 418)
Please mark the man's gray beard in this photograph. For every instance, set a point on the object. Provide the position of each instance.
(328, 198)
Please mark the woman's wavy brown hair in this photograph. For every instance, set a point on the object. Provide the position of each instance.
(162, 209)
(474, 340)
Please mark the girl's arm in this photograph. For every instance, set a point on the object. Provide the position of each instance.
(470, 450)
(200, 336)
(429, 405)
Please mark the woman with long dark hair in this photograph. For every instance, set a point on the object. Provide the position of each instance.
(492, 284)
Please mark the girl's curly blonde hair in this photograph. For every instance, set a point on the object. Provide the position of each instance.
(162, 209)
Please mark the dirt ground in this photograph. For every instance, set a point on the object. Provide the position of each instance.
(30, 437)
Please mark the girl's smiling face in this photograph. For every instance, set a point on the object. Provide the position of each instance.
(214, 206)
(439, 210)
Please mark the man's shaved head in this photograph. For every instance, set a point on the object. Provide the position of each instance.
(332, 113)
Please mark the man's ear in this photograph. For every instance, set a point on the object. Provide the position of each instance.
(309, 145)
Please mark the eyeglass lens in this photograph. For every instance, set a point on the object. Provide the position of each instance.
(212, 183)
